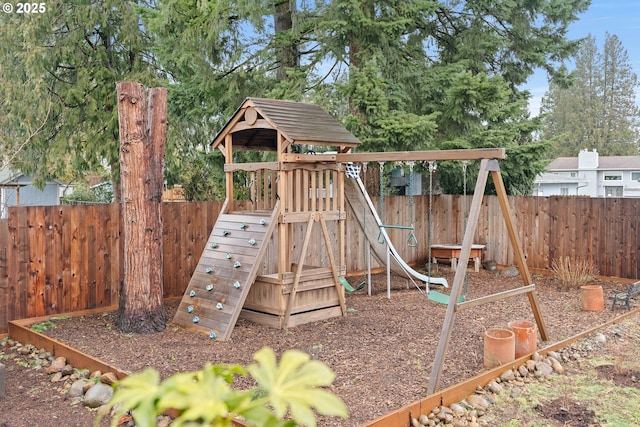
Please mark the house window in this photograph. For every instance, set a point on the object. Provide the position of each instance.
(613, 176)
(564, 191)
(611, 191)
(635, 176)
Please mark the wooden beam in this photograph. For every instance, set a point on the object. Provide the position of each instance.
(495, 297)
(458, 279)
(228, 156)
(296, 279)
(21, 332)
(311, 158)
(521, 261)
(332, 264)
(398, 156)
(250, 167)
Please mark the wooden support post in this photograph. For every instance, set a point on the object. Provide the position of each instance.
(296, 279)
(284, 261)
(334, 268)
(458, 279)
(228, 159)
(515, 243)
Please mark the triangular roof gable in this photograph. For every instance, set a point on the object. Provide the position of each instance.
(256, 122)
(9, 177)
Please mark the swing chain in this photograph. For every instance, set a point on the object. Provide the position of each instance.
(412, 241)
(464, 192)
(380, 235)
(432, 168)
(464, 217)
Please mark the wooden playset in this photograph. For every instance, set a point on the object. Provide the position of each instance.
(278, 258)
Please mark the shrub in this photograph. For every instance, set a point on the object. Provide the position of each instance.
(206, 398)
(573, 273)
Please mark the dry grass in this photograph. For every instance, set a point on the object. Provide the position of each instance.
(573, 273)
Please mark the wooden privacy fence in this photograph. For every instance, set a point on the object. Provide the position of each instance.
(59, 259)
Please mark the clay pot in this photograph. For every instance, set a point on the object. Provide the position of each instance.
(592, 298)
(526, 336)
(499, 347)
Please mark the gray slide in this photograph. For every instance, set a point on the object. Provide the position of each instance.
(368, 218)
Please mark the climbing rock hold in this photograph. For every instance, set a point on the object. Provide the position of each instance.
(237, 264)
(225, 232)
(213, 335)
(209, 287)
(208, 270)
(243, 226)
(228, 255)
(190, 309)
(192, 293)
(236, 285)
(196, 319)
(219, 306)
(263, 221)
(252, 242)
(214, 245)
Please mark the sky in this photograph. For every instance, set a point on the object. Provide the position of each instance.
(619, 17)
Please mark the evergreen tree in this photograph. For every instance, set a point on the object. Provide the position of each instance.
(73, 54)
(598, 110)
(410, 75)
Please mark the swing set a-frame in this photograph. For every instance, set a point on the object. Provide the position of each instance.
(488, 166)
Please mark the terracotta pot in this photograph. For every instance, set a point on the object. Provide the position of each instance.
(526, 336)
(592, 298)
(499, 347)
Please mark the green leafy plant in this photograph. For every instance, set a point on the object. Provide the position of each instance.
(43, 326)
(291, 389)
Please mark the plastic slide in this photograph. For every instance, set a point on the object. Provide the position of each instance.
(360, 202)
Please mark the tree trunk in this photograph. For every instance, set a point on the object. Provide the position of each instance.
(287, 52)
(142, 145)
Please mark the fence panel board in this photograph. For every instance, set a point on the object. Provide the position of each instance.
(4, 300)
(65, 258)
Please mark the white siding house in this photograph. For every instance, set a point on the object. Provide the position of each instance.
(17, 189)
(590, 175)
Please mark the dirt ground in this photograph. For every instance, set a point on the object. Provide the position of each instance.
(382, 351)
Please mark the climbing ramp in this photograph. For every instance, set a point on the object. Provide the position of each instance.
(227, 268)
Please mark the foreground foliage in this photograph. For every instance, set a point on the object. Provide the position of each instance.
(206, 398)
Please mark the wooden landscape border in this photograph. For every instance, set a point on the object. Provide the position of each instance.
(20, 331)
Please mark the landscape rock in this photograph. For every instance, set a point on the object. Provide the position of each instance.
(494, 387)
(67, 370)
(507, 376)
(108, 378)
(508, 272)
(98, 395)
(77, 388)
(543, 369)
(478, 402)
(57, 365)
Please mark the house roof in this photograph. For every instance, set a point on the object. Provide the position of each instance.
(257, 121)
(604, 162)
(552, 178)
(9, 177)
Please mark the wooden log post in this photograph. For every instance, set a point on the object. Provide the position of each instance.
(142, 145)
